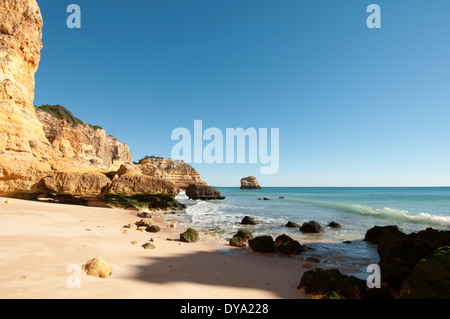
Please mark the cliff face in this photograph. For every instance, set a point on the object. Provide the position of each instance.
(46, 151)
(180, 173)
(21, 131)
(82, 144)
(20, 45)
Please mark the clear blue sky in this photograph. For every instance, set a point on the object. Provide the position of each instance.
(355, 106)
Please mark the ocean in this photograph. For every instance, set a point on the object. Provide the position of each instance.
(355, 209)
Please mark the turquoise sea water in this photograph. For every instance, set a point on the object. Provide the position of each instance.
(355, 209)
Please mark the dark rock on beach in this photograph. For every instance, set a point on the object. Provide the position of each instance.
(241, 238)
(399, 253)
(311, 227)
(144, 215)
(245, 234)
(238, 242)
(247, 220)
(320, 282)
(292, 224)
(190, 236)
(152, 229)
(323, 282)
(262, 244)
(288, 246)
(430, 277)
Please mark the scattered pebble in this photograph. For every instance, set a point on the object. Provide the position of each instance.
(125, 232)
(135, 242)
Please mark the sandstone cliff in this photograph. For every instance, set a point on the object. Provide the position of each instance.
(47, 152)
(81, 143)
(21, 131)
(179, 172)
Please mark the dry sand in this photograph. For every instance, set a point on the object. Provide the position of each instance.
(40, 240)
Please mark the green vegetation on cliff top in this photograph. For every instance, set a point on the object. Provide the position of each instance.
(61, 113)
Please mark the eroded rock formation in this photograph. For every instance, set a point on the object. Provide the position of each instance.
(82, 143)
(179, 172)
(249, 183)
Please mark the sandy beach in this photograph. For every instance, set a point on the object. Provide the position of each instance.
(40, 240)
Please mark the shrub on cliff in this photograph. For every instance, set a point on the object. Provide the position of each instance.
(61, 113)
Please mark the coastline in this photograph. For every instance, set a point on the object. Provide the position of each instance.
(40, 240)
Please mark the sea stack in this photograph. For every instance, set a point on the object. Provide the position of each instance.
(249, 183)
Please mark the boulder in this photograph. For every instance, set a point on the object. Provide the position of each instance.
(311, 227)
(373, 234)
(202, 192)
(144, 215)
(238, 242)
(288, 246)
(321, 282)
(249, 183)
(262, 244)
(247, 220)
(190, 236)
(430, 278)
(241, 238)
(153, 229)
(244, 234)
(292, 224)
(146, 222)
(399, 252)
(98, 267)
(334, 225)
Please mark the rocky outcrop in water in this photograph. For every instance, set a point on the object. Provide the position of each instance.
(400, 253)
(249, 183)
(202, 192)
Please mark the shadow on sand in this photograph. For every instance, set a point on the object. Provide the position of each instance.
(275, 275)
